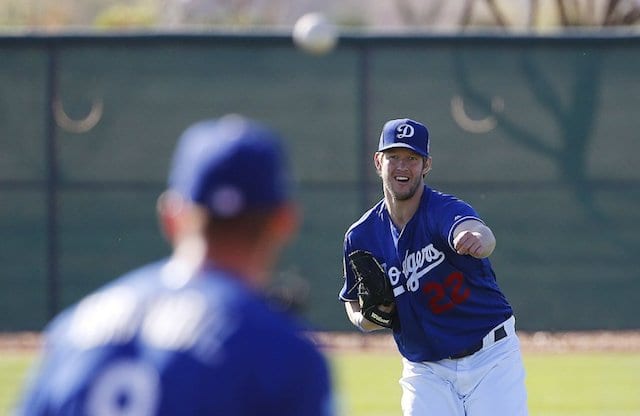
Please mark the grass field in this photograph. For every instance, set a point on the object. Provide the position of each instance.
(13, 368)
(568, 384)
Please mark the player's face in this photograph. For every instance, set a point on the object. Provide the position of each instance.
(401, 171)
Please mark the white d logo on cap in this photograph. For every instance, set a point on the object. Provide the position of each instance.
(404, 130)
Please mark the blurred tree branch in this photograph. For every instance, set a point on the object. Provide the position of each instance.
(569, 13)
(497, 13)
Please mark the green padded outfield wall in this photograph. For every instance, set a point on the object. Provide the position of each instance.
(540, 134)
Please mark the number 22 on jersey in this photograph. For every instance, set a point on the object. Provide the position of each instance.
(446, 295)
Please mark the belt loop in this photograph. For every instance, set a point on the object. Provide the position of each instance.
(499, 334)
(507, 328)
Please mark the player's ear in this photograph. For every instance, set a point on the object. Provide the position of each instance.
(377, 161)
(168, 207)
(178, 218)
(426, 166)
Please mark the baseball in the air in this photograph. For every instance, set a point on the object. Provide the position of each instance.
(315, 34)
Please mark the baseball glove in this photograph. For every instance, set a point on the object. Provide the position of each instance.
(374, 288)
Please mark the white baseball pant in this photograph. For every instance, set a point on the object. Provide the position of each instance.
(487, 383)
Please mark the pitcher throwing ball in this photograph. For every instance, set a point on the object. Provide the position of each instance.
(417, 262)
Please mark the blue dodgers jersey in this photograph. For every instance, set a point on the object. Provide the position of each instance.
(147, 345)
(445, 302)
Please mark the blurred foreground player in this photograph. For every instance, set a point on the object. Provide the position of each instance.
(193, 334)
(417, 263)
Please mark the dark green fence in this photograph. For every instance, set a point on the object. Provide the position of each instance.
(540, 134)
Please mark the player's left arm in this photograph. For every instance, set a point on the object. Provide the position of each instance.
(472, 237)
(357, 318)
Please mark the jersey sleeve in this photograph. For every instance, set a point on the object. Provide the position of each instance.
(454, 212)
(35, 397)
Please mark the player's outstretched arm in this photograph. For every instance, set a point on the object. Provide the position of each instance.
(357, 319)
(473, 238)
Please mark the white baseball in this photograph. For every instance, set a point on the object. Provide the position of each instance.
(315, 34)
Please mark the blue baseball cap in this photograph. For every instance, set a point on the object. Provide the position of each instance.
(230, 165)
(407, 133)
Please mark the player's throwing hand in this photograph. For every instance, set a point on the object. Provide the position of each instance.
(473, 238)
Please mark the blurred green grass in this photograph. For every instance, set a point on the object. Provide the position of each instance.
(366, 383)
(13, 370)
(585, 384)
(567, 384)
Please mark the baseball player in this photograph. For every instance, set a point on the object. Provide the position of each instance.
(193, 334)
(451, 323)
